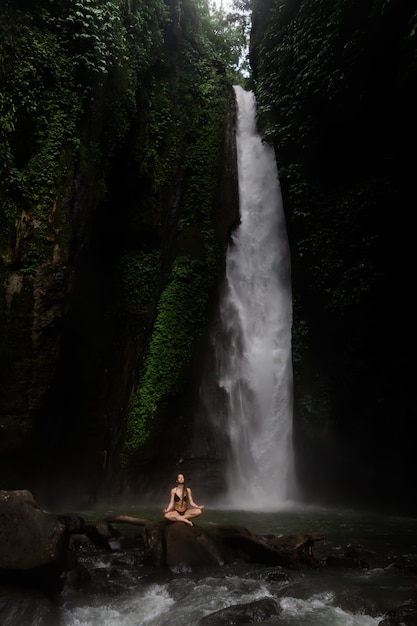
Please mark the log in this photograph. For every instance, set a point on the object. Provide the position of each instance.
(303, 544)
(297, 549)
(171, 543)
(227, 543)
(128, 519)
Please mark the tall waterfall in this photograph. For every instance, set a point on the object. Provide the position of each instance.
(244, 418)
(254, 360)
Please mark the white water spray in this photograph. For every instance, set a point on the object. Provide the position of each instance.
(255, 368)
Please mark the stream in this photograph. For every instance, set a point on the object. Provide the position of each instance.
(327, 596)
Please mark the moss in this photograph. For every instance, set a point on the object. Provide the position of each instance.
(182, 309)
(111, 131)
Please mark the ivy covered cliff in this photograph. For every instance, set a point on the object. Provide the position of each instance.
(118, 192)
(117, 198)
(335, 85)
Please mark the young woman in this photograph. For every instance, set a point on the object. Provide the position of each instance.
(181, 506)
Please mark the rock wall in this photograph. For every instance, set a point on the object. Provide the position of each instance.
(334, 83)
(116, 187)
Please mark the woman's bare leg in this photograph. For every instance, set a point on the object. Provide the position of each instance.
(192, 513)
(174, 516)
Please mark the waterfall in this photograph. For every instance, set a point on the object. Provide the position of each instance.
(253, 346)
(255, 367)
(244, 419)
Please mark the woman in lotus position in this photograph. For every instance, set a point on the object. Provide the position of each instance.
(181, 498)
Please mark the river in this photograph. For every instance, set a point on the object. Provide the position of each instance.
(326, 596)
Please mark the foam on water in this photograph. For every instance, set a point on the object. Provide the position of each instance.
(318, 610)
(143, 606)
(255, 369)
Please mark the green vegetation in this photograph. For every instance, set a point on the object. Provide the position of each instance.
(112, 121)
(181, 316)
(189, 133)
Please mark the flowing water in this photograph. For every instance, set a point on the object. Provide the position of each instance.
(256, 371)
(323, 597)
(251, 374)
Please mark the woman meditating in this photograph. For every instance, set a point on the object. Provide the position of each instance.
(181, 499)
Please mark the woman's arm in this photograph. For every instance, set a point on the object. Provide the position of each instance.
(191, 501)
(170, 506)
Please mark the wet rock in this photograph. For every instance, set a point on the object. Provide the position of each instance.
(26, 606)
(73, 523)
(407, 620)
(293, 551)
(190, 545)
(249, 613)
(33, 547)
(278, 575)
(103, 581)
(296, 551)
(78, 542)
(405, 615)
(155, 543)
(173, 543)
(99, 533)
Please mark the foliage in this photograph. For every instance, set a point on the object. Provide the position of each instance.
(38, 113)
(140, 275)
(112, 116)
(230, 31)
(181, 315)
(195, 120)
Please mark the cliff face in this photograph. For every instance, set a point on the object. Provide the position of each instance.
(335, 87)
(118, 191)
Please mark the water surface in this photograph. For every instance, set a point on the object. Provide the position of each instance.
(323, 597)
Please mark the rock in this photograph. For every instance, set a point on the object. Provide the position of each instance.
(405, 615)
(238, 543)
(249, 613)
(73, 523)
(33, 544)
(102, 581)
(155, 543)
(278, 575)
(408, 620)
(19, 607)
(99, 533)
(174, 543)
(190, 545)
(294, 551)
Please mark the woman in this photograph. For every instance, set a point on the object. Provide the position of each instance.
(181, 498)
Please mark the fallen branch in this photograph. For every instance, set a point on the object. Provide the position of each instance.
(127, 519)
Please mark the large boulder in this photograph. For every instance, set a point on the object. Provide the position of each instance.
(33, 544)
(191, 545)
(174, 543)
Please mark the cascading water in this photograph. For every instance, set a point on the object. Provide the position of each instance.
(254, 346)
